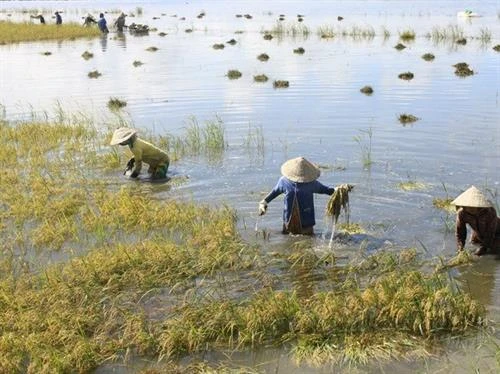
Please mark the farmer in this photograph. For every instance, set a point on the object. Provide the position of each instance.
(298, 183)
(89, 20)
(120, 22)
(41, 18)
(474, 209)
(102, 24)
(143, 152)
(58, 18)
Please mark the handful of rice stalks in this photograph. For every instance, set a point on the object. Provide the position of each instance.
(338, 201)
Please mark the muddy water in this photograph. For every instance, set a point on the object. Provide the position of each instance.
(455, 143)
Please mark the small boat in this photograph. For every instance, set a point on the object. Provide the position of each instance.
(468, 13)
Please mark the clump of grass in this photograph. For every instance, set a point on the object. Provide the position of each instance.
(452, 32)
(162, 34)
(248, 16)
(461, 41)
(263, 57)
(137, 63)
(218, 46)
(115, 103)
(406, 76)
(326, 32)
(497, 48)
(462, 69)
(405, 118)
(260, 78)
(400, 46)
(407, 35)
(460, 259)
(444, 204)
(46, 53)
(152, 49)
(299, 51)
(94, 74)
(366, 147)
(281, 84)
(188, 31)
(87, 55)
(367, 90)
(12, 32)
(292, 29)
(485, 35)
(231, 42)
(428, 57)
(234, 74)
(411, 185)
(357, 32)
(267, 36)
(350, 228)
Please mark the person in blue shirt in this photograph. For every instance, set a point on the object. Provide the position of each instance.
(102, 24)
(298, 183)
(58, 18)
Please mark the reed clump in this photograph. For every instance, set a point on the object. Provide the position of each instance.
(400, 46)
(428, 57)
(87, 55)
(46, 53)
(231, 42)
(94, 74)
(411, 185)
(115, 103)
(444, 204)
(260, 78)
(13, 32)
(406, 118)
(299, 51)
(234, 74)
(406, 76)
(218, 46)
(497, 48)
(152, 49)
(263, 57)
(407, 35)
(462, 69)
(137, 63)
(281, 84)
(367, 90)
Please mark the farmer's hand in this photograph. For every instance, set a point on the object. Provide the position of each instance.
(130, 163)
(134, 174)
(262, 207)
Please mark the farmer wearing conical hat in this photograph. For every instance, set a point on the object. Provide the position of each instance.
(298, 183)
(475, 210)
(143, 151)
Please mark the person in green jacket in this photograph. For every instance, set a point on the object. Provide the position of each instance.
(143, 151)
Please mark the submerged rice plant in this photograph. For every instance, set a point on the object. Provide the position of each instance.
(406, 118)
(407, 35)
(234, 74)
(115, 103)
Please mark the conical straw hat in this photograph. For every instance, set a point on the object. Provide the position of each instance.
(300, 170)
(472, 197)
(122, 135)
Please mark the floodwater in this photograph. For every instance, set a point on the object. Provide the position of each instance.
(455, 143)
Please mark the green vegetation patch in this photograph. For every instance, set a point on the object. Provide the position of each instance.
(263, 57)
(400, 46)
(497, 48)
(260, 78)
(13, 32)
(152, 49)
(406, 76)
(411, 185)
(94, 74)
(137, 63)
(406, 118)
(299, 51)
(218, 46)
(115, 103)
(234, 74)
(444, 204)
(428, 57)
(367, 90)
(281, 84)
(407, 35)
(87, 55)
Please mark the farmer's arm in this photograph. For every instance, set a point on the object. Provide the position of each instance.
(491, 228)
(322, 189)
(461, 229)
(276, 191)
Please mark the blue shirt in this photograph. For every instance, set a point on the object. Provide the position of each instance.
(102, 24)
(304, 192)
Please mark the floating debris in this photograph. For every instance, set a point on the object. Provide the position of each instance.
(94, 74)
(248, 16)
(137, 63)
(46, 53)
(152, 49)
(263, 57)
(218, 46)
(461, 41)
(281, 18)
(162, 34)
(156, 17)
(188, 30)
(281, 84)
(407, 118)
(87, 55)
(138, 29)
(497, 48)
(234, 74)
(400, 46)
(268, 36)
(428, 56)
(239, 15)
(231, 42)
(406, 76)
(261, 78)
(299, 51)
(367, 90)
(182, 18)
(300, 19)
(114, 103)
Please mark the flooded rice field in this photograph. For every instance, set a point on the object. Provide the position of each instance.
(422, 133)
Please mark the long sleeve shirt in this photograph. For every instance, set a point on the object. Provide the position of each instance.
(305, 199)
(486, 225)
(146, 152)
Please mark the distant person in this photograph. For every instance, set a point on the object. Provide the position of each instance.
(143, 151)
(475, 210)
(58, 18)
(298, 183)
(89, 20)
(120, 22)
(102, 24)
(41, 18)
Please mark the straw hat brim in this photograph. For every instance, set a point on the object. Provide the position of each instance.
(472, 197)
(122, 135)
(300, 170)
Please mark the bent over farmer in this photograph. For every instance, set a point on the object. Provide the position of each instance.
(475, 210)
(298, 183)
(143, 151)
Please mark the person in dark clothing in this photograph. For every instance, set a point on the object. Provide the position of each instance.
(41, 18)
(58, 18)
(298, 183)
(475, 210)
(120, 22)
(102, 24)
(89, 20)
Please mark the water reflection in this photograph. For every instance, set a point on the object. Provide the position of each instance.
(482, 279)
(104, 42)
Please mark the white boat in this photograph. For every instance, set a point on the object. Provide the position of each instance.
(468, 13)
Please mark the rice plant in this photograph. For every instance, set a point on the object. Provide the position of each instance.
(233, 74)
(365, 146)
(115, 103)
(12, 32)
(261, 78)
(407, 35)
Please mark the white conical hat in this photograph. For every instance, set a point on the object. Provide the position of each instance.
(300, 170)
(472, 197)
(122, 135)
